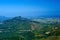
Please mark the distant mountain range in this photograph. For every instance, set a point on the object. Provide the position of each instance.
(38, 17)
(2, 18)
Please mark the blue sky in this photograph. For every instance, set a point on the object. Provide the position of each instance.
(24, 8)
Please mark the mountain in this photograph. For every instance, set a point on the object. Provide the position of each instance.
(13, 26)
(26, 29)
(17, 23)
(2, 18)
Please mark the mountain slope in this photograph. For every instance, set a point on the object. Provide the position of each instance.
(25, 29)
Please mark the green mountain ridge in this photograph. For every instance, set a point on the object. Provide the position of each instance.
(19, 28)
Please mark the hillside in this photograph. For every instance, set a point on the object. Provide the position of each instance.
(19, 28)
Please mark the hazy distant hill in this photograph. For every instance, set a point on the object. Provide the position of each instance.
(2, 18)
(18, 23)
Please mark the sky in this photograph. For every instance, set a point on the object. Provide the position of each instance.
(25, 8)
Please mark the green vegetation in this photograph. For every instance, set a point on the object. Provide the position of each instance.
(19, 28)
